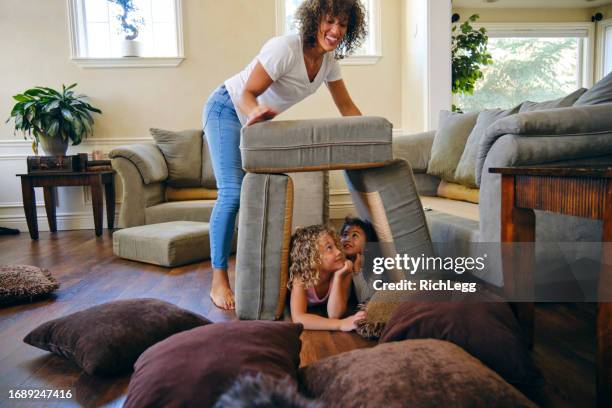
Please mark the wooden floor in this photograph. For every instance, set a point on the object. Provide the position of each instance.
(90, 274)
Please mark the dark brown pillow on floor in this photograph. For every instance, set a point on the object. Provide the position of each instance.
(21, 283)
(412, 373)
(486, 330)
(196, 367)
(107, 339)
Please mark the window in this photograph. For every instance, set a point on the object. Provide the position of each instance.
(97, 38)
(535, 62)
(368, 53)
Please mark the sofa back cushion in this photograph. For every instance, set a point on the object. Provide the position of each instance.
(449, 143)
(563, 102)
(183, 153)
(601, 92)
(465, 172)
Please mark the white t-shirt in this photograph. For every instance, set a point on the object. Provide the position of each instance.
(283, 59)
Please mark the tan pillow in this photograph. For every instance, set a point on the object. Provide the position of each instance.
(190, 193)
(458, 192)
(183, 154)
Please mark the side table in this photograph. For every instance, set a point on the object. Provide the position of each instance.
(577, 191)
(48, 181)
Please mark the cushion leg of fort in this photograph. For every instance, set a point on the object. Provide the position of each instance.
(262, 258)
(387, 197)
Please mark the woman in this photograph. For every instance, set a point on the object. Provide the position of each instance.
(288, 69)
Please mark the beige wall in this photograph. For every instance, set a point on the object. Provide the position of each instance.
(220, 37)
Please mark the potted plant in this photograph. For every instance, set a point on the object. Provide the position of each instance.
(53, 118)
(129, 26)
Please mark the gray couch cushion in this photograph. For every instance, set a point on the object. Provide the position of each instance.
(466, 169)
(166, 244)
(449, 142)
(147, 158)
(387, 197)
(562, 102)
(262, 260)
(183, 154)
(193, 210)
(322, 144)
(415, 149)
(601, 92)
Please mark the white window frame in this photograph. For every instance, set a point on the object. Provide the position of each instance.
(78, 43)
(374, 29)
(585, 30)
(601, 50)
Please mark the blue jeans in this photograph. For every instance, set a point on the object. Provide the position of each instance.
(222, 130)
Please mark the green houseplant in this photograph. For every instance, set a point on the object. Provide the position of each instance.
(469, 55)
(53, 118)
(129, 26)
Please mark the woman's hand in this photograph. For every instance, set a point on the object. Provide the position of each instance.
(260, 113)
(350, 323)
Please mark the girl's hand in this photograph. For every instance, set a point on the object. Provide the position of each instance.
(345, 270)
(350, 323)
(260, 113)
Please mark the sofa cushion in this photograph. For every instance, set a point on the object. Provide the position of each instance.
(601, 92)
(194, 368)
(449, 143)
(108, 338)
(465, 172)
(322, 144)
(190, 193)
(183, 154)
(147, 158)
(193, 210)
(562, 102)
(415, 373)
(166, 244)
(264, 231)
(458, 192)
(461, 209)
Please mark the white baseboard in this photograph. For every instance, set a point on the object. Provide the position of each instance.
(74, 221)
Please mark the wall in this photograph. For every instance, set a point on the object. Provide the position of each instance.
(220, 38)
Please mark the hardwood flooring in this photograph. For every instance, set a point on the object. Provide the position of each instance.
(90, 274)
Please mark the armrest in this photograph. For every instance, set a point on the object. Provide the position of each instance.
(415, 149)
(572, 121)
(147, 158)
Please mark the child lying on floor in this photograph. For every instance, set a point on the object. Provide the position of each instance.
(320, 274)
(354, 236)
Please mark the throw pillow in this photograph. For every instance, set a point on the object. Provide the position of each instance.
(449, 143)
(601, 92)
(190, 193)
(196, 367)
(563, 102)
(465, 172)
(107, 339)
(183, 154)
(415, 373)
(458, 192)
(488, 330)
(20, 283)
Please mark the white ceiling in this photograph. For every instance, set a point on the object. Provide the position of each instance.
(530, 3)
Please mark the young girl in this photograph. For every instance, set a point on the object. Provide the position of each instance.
(319, 274)
(354, 236)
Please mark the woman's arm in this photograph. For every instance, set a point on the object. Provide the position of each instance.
(258, 82)
(299, 304)
(340, 291)
(342, 99)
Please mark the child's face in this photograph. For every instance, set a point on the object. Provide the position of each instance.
(353, 240)
(332, 257)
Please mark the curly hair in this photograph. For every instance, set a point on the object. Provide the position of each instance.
(304, 254)
(310, 13)
(365, 225)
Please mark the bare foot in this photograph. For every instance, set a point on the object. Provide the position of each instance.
(220, 293)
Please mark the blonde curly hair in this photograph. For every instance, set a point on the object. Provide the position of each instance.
(304, 255)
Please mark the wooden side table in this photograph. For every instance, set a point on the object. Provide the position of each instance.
(577, 191)
(48, 181)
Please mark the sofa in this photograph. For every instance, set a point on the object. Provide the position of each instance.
(563, 132)
(171, 179)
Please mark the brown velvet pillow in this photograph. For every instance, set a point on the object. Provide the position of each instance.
(196, 367)
(22, 283)
(487, 330)
(107, 339)
(415, 373)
